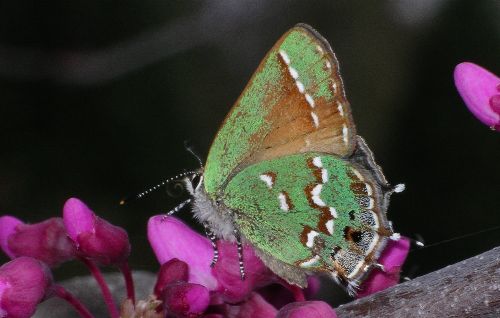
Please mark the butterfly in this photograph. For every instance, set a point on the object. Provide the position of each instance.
(287, 173)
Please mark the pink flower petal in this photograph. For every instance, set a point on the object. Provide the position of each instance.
(95, 238)
(281, 294)
(170, 238)
(255, 306)
(309, 309)
(107, 244)
(78, 218)
(227, 272)
(477, 86)
(186, 299)
(8, 225)
(173, 271)
(392, 258)
(24, 283)
(46, 241)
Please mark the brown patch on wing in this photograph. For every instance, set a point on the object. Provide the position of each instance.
(359, 188)
(292, 128)
(288, 200)
(303, 235)
(315, 170)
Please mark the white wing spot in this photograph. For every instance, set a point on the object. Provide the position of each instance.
(300, 86)
(344, 134)
(267, 179)
(283, 205)
(371, 203)
(328, 65)
(324, 175)
(334, 87)
(369, 189)
(317, 162)
(355, 270)
(340, 109)
(358, 174)
(310, 100)
(315, 119)
(329, 226)
(310, 238)
(293, 72)
(373, 243)
(311, 262)
(285, 57)
(333, 212)
(316, 191)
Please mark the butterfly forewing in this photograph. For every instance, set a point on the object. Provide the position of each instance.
(294, 103)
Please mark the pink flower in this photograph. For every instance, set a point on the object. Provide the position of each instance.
(392, 258)
(24, 283)
(185, 299)
(309, 309)
(46, 241)
(170, 238)
(95, 238)
(8, 226)
(227, 272)
(480, 90)
(255, 306)
(173, 271)
(220, 289)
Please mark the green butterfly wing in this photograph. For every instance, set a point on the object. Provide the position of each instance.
(312, 211)
(294, 103)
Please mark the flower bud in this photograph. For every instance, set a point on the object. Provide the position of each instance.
(309, 309)
(173, 271)
(170, 238)
(480, 90)
(185, 299)
(95, 238)
(24, 283)
(46, 241)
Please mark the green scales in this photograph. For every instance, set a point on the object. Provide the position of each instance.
(288, 174)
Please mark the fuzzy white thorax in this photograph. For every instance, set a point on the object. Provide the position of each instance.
(205, 210)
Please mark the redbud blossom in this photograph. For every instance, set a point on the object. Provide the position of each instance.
(24, 283)
(95, 238)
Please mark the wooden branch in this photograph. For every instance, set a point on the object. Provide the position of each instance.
(470, 288)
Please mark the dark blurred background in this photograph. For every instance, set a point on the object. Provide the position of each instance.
(97, 99)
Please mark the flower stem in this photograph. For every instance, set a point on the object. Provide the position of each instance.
(62, 293)
(129, 281)
(108, 298)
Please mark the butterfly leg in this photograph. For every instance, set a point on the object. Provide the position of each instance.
(240, 253)
(177, 208)
(213, 240)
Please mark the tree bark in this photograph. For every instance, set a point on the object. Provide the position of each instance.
(470, 288)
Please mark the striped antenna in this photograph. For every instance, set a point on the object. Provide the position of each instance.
(158, 186)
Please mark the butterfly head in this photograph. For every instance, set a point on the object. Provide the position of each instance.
(194, 182)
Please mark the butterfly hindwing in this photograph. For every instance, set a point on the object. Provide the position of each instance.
(294, 103)
(310, 212)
